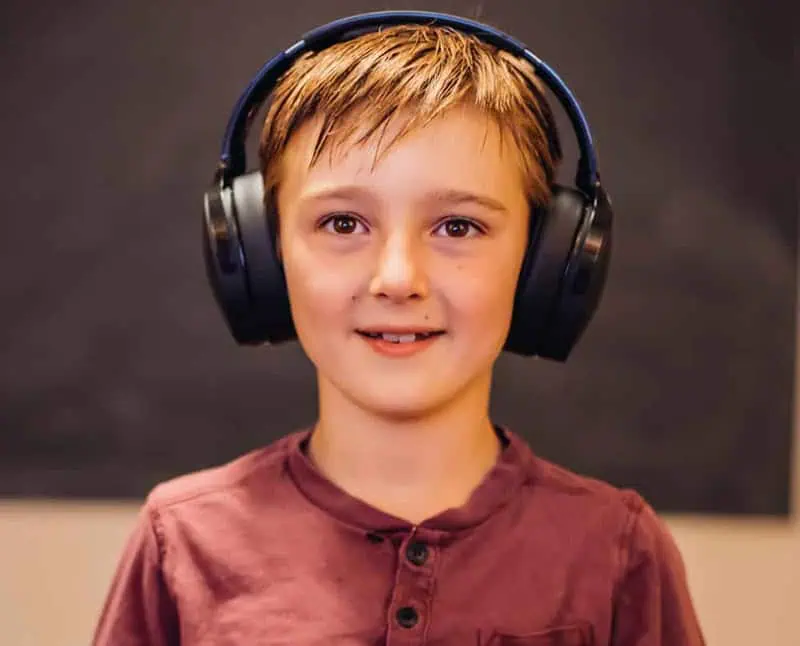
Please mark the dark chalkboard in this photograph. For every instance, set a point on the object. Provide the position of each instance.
(116, 370)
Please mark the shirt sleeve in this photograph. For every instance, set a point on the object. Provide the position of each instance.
(139, 610)
(652, 605)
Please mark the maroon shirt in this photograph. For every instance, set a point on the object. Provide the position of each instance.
(265, 550)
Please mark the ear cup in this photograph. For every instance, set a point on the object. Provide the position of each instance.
(242, 263)
(560, 281)
(584, 280)
(224, 261)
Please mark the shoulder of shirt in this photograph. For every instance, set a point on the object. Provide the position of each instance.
(641, 535)
(639, 525)
(228, 476)
(560, 481)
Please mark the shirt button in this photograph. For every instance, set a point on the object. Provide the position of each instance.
(407, 617)
(417, 553)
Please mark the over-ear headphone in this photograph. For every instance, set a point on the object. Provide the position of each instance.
(565, 266)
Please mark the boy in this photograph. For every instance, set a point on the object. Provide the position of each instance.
(402, 166)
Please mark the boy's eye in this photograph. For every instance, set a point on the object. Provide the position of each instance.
(458, 228)
(341, 224)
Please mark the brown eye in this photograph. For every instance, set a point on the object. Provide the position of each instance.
(344, 224)
(341, 224)
(458, 228)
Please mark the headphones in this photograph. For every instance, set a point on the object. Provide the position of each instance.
(564, 269)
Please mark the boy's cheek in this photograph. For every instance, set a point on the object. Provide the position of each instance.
(486, 292)
(317, 301)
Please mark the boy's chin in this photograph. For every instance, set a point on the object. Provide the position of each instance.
(406, 404)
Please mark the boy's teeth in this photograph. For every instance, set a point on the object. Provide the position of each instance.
(399, 338)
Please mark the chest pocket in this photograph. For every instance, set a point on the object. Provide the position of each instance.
(575, 635)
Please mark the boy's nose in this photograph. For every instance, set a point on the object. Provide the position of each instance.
(399, 274)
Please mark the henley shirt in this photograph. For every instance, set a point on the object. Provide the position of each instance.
(266, 551)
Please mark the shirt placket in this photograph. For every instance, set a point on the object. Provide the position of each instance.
(409, 613)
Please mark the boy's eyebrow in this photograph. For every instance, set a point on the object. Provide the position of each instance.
(340, 192)
(455, 196)
(449, 196)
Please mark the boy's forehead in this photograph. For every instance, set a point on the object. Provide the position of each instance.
(464, 141)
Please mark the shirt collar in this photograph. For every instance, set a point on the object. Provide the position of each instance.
(512, 469)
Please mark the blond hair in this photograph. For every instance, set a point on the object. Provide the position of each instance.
(420, 72)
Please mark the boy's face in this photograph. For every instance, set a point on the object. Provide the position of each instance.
(429, 240)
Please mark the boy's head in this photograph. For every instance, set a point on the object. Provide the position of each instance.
(402, 166)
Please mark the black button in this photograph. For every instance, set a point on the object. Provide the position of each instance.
(407, 617)
(417, 553)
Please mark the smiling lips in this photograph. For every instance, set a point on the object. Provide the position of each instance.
(399, 342)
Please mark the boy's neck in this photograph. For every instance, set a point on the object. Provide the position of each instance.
(412, 469)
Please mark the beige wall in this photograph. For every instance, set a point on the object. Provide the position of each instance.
(56, 560)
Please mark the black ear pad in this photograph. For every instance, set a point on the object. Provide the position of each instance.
(240, 253)
(562, 276)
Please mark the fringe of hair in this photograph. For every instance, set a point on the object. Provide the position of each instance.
(417, 72)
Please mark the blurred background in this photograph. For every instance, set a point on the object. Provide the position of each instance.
(116, 371)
